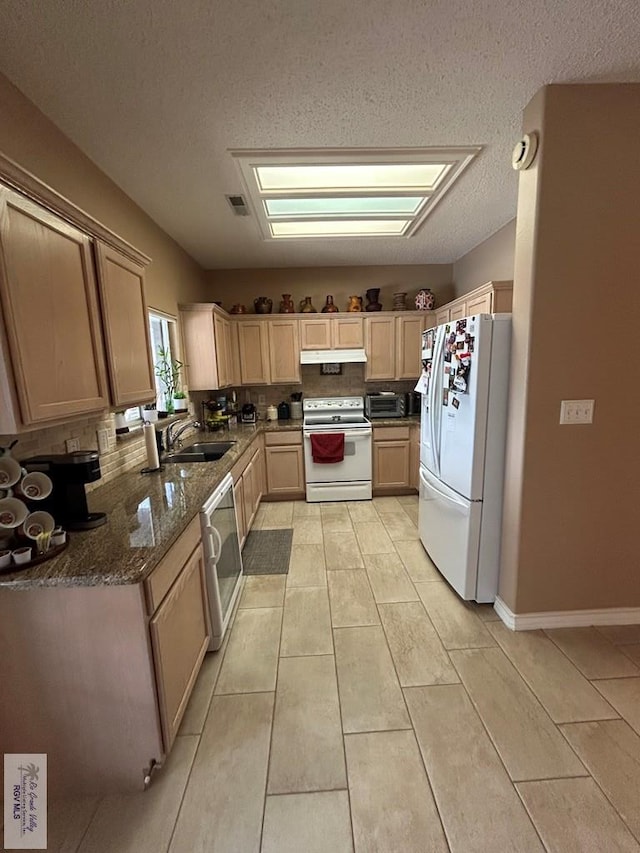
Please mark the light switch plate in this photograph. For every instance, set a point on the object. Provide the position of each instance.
(72, 444)
(103, 441)
(576, 411)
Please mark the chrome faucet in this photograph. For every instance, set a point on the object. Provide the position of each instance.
(172, 439)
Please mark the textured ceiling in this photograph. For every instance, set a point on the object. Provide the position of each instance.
(157, 91)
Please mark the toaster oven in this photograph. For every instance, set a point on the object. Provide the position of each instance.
(385, 405)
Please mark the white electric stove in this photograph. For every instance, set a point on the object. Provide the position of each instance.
(349, 479)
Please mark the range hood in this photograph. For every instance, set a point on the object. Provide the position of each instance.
(332, 356)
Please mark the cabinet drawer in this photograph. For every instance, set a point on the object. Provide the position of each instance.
(390, 433)
(282, 438)
(159, 582)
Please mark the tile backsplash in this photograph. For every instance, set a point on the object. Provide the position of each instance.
(123, 454)
(349, 383)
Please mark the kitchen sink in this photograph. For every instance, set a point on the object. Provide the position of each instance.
(202, 451)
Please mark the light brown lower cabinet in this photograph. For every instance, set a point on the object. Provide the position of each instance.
(391, 460)
(414, 457)
(116, 665)
(248, 488)
(285, 464)
(180, 633)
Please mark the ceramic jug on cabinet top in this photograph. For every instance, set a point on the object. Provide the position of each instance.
(263, 305)
(287, 306)
(355, 303)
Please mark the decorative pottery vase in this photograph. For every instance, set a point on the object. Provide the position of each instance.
(306, 307)
(329, 307)
(425, 300)
(355, 303)
(287, 306)
(263, 305)
(372, 299)
(399, 301)
(238, 309)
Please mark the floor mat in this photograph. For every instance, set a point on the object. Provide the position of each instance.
(267, 552)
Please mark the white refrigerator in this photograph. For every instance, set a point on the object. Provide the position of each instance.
(462, 446)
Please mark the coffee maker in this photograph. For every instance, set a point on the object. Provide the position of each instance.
(69, 472)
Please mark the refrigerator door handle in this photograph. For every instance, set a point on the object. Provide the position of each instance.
(435, 392)
(448, 498)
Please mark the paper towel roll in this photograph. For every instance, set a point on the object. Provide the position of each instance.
(153, 461)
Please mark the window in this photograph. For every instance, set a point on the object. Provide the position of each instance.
(348, 193)
(163, 342)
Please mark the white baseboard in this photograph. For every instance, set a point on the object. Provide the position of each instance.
(566, 618)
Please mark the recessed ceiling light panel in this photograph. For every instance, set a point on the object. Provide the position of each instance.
(348, 192)
(339, 228)
(342, 206)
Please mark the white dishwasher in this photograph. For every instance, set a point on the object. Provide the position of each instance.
(223, 561)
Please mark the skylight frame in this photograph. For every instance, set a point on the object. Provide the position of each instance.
(456, 160)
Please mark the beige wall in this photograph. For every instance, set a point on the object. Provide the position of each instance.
(28, 137)
(572, 498)
(491, 260)
(244, 285)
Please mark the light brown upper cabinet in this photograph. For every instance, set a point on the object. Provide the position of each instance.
(208, 347)
(380, 345)
(332, 333)
(315, 333)
(347, 332)
(52, 355)
(222, 335)
(442, 315)
(254, 352)
(126, 327)
(409, 331)
(494, 297)
(234, 345)
(284, 351)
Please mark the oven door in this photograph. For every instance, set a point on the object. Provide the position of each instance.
(356, 465)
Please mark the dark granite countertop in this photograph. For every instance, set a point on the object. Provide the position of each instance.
(146, 513)
(145, 516)
(408, 421)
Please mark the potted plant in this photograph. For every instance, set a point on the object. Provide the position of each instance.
(179, 401)
(168, 372)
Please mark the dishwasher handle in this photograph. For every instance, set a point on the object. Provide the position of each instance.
(215, 542)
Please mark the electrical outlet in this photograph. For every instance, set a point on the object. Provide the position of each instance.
(103, 440)
(72, 444)
(262, 400)
(576, 411)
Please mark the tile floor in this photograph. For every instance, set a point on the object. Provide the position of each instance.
(359, 705)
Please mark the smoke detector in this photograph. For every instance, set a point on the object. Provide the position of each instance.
(238, 205)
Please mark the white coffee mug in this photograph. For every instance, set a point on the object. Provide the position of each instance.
(39, 523)
(36, 486)
(12, 513)
(10, 472)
